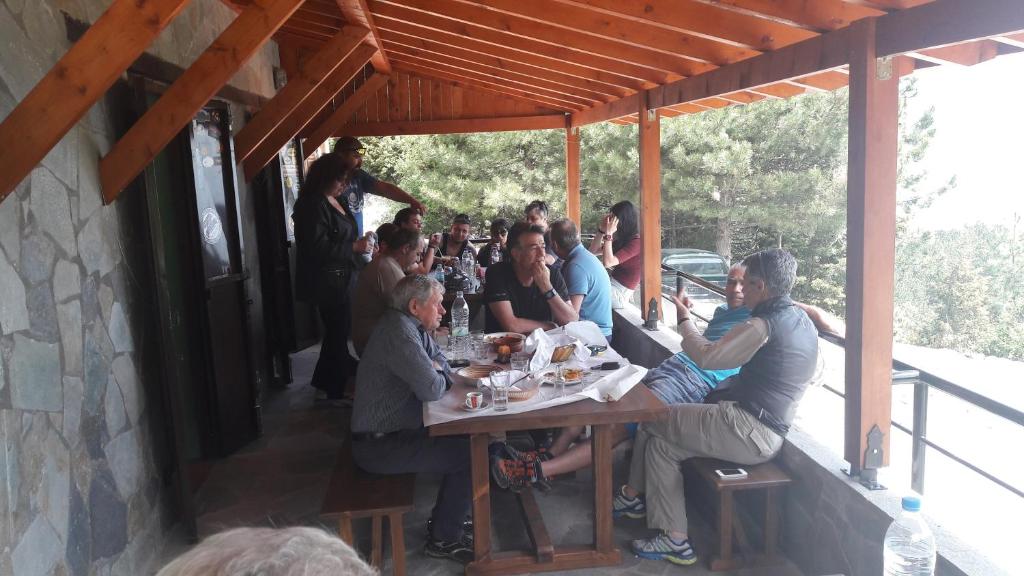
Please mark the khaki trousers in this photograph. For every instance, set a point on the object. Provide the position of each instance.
(722, 430)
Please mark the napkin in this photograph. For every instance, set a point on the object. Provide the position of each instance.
(543, 344)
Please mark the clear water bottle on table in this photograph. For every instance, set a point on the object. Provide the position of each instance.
(909, 546)
(460, 328)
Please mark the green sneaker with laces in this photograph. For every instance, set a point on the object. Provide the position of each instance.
(663, 547)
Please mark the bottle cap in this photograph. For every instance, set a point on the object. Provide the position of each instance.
(911, 503)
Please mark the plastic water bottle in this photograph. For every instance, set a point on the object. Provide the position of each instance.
(439, 273)
(460, 326)
(909, 547)
(495, 255)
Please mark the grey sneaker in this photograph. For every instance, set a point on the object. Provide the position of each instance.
(625, 507)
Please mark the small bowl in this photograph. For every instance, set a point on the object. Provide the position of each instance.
(513, 340)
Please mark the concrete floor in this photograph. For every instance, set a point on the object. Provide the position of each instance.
(280, 480)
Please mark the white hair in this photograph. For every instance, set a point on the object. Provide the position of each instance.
(293, 551)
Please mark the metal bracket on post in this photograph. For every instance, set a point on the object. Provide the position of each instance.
(884, 67)
(873, 458)
(652, 115)
(652, 315)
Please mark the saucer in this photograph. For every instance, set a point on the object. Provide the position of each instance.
(486, 404)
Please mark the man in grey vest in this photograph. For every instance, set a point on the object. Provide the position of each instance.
(745, 420)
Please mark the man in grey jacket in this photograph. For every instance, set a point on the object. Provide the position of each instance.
(401, 368)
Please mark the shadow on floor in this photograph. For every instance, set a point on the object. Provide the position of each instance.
(280, 480)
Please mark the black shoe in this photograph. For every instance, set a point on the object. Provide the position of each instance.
(457, 551)
(467, 528)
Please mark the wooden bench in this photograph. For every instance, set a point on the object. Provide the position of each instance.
(766, 477)
(354, 493)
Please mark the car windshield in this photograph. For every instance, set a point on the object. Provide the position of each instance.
(698, 267)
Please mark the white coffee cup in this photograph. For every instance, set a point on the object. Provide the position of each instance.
(474, 400)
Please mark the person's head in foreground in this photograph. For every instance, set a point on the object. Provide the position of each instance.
(420, 297)
(526, 244)
(769, 274)
(296, 551)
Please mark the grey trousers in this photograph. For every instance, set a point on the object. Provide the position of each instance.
(722, 430)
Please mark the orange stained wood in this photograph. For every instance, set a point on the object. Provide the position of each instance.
(412, 35)
(671, 67)
(387, 15)
(781, 89)
(828, 80)
(966, 54)
(819, 15)
(650, 206)
(307, 109)
(638, 34)
(611, 111)
(76, 82)
(572, 175)
(474, 69)
(311, 74)
(743, 97)
(187, 95)
(356, 12)
(458, 126)
(488, 85)
(404, 42)
(871, 222)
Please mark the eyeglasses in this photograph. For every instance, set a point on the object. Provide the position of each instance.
(360, 151)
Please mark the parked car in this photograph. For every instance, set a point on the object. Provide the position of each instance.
(701, 263)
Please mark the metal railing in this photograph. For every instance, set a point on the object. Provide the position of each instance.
(904, 373)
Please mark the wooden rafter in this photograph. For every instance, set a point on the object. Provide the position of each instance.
(76, 82)
(179, 104)
(611, 111)
(392, 15)
(458, 126)
(819, 15)
(943, 23)
(342, 114)
(966, 54)
(356, 12)
(461, 81)
(311, 74)
(310, 106)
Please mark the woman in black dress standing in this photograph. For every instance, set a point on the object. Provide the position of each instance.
(328, 252)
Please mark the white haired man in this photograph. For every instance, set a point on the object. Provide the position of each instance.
(400, 369)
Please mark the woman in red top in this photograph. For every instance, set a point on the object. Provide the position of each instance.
(617, 245)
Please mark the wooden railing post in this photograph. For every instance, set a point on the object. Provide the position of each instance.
(572, 174)
(650, 206)
(871, 251)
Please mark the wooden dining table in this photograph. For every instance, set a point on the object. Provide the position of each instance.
(637, 405)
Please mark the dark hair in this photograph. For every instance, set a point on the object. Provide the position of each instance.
(564, 234)
(384, 232)
(406, 214)
(403, 237)
(520, 228)
(324, 173)
(776, 267)
(347, 144)
(461, 219)
(629, 223)
(497, 225)
(539, 205)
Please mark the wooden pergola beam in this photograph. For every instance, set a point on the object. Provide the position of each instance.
(966, 54)
(358, 13)
(611, 111)
(573, 209)
(650, 207)
(334, 123)
(194, 88)
(310, 106)
(459, 126)
(819, 15)
(311, 74)
(88, 69)
(946, 22)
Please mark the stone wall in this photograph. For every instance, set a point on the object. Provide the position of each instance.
(83, 443)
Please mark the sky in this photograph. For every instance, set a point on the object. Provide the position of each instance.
(979, 137)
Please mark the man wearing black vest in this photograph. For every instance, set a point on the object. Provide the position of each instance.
(745, 420)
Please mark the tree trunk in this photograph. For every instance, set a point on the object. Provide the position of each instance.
(723, 239)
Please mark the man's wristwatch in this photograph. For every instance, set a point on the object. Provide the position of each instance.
(607, 237)
(550, 294)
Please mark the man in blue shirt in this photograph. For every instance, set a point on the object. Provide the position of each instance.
(362, 183)
(585, 277)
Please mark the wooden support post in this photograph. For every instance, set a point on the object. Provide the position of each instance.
(312, 73)
(572, 174)
(76, 82)
(310, 106)
(871, 237)
(194, 88)
(650, 206)
(334, 123)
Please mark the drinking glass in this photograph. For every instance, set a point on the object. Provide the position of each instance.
(479, 347)
(499, 389)
(521, 361)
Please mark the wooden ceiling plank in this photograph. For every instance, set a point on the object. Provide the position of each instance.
(713, 102)
(703, 20)
(454, 80)
(743, 97)
(318, 28)
(293, 32)
(187, 95)
(342, 114)
(449, 50)
(400, 15)
(535, 30)
(496, 78)
(313, 72)
(498, 72)
(310, 106)
(618, 84)
(819, 15)
(457, 126)
(827, 80)
(966, 54)
(637, 34)
(781, 90)
(76, 82)
(357, 13)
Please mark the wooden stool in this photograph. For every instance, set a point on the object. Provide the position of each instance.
(354, 493)
(767, 477)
